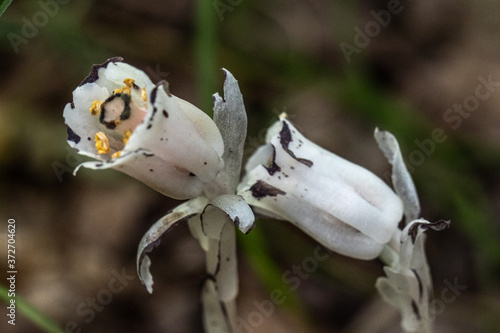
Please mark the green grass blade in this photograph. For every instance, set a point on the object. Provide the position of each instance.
(3, 6)
(30, 312)
(205, 52)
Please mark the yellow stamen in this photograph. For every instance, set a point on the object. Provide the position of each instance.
(126, 136)
(117, 154)
(127, 90)
(102, 143)
(144, 94)
(117, 91)
(95, 109)
(129, 82)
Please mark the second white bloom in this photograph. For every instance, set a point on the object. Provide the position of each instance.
(343, 206)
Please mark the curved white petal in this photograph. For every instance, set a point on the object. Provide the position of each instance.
(236, 209)
(290, 204)
(204, 124)
(154, 235)
(231, 119)
(354, 194)
(401, 178)
(153, 171)
(168, 132)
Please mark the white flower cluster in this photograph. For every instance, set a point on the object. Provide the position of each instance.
(124, 121)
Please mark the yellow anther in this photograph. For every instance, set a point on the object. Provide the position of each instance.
(144, 95)
(117, 154)
(126, 136)
(127, 90)
(95, 109)
(129, 82)
(102, 143)
(117, 91)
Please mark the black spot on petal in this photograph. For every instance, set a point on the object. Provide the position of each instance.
(273, 168)
(152, 96)
(72, 136)
(72, 105)
(94, 75)
(262, 189)
(437, 226)
(420, 286)
(165, 113)
(415, 310)
(285, 139)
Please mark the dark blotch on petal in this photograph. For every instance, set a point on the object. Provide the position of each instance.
(72, 136)
(420, 286)
(285, 139)
(126, 111)
(262, 189)
(94, 75)
(415, 309)
(152, 96)
(437, 226)
(72, 105)
(165, 113)
(273, 168)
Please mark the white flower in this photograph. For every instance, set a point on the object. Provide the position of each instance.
(121, 118)
(343, 206)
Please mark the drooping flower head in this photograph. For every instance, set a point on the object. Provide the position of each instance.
(343, 206)
(119, 117)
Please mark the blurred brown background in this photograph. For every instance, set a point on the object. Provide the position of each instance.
(339, 68)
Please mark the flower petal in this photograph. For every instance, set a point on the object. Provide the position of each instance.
(237, 210)
(401, 178)
(353, 194)
(408, 285)
(153, 171)
(170, 135)
(291, 171)
(231, 119)
(288, 203)
(155, 234)
(204, 124)
(81, 124)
